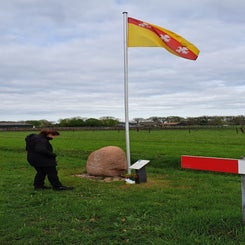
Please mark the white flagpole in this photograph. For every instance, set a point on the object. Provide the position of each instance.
(125, 28)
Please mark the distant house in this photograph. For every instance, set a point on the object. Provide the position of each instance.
(14, 125)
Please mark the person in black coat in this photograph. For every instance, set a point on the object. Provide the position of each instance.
(40, 155)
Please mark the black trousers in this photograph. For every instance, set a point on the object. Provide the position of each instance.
(50, 172)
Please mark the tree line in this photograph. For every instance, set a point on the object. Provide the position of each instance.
(201, 121)
(152, 121)
(77, 122)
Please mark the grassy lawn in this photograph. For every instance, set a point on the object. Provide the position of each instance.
(175, 206)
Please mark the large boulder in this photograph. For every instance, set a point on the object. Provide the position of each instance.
(107, 161)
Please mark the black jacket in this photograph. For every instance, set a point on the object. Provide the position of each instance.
(42, 153)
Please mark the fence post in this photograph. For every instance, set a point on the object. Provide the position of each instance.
(243, 196)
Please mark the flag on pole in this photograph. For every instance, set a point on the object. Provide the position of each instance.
(143, 34)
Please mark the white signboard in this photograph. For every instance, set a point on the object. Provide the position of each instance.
(139, 164)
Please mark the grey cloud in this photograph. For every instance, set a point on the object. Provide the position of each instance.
(58, 60)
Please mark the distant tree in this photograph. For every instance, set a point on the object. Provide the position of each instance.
(77, 122)
(157, 120)
(216, 121)
(40, 123)
(93, 122)
(109, 121)
(138, 120)
(64, 122)
(197, 120)
(174, 119)
(203, 120)
(46, 123)
(72, 122)
(35, 123)
(238, 120)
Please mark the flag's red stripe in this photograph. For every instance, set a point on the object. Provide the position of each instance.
(225, 165)
(172, 44)
(175, 45)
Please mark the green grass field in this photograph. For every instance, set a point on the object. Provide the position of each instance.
(175, 206)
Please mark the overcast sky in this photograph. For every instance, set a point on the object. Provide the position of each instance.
(64, 58)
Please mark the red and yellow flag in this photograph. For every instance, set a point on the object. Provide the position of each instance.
(143, 34)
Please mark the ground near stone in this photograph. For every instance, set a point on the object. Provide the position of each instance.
(100, 178)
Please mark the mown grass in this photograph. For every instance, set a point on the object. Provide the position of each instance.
(175, 206)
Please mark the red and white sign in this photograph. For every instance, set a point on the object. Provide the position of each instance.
(225, 165)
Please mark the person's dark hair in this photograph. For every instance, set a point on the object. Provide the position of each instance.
(47, 131)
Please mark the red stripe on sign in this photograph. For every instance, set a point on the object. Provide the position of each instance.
(225, 165)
